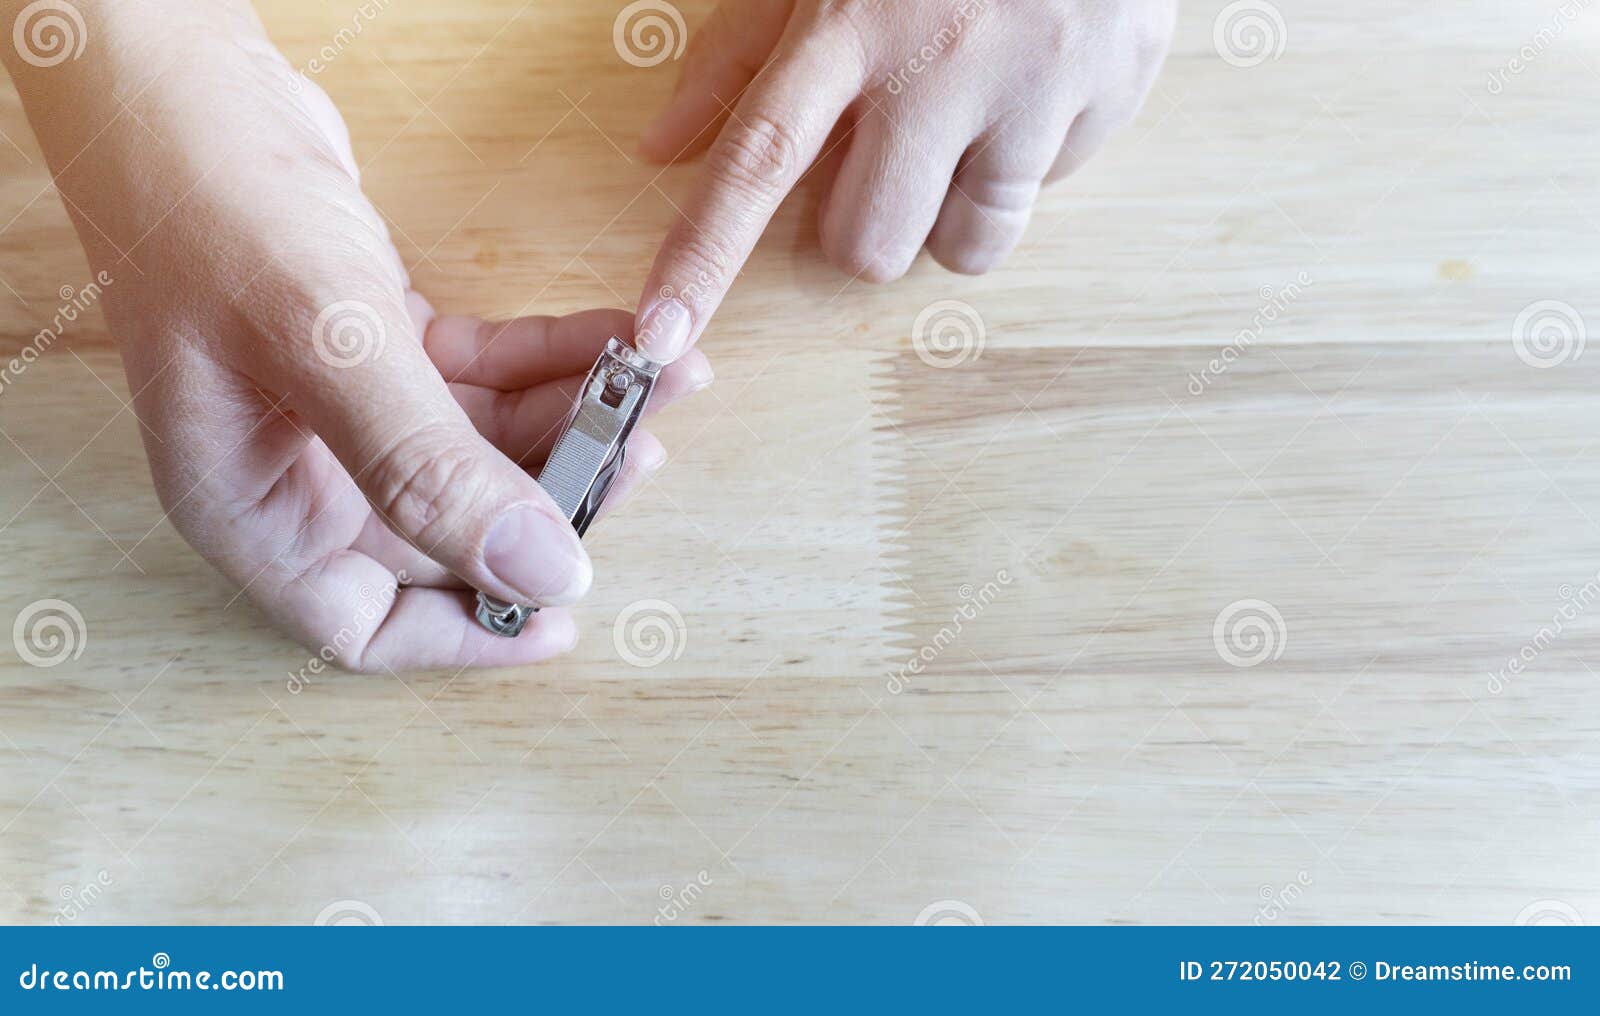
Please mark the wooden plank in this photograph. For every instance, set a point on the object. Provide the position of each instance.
(1415, 502)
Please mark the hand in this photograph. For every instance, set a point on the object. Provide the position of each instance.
(314, 430)
(953, 113)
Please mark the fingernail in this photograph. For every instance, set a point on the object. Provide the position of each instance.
(653, 461)
(702, 379)
(537, 556)
(663, 332)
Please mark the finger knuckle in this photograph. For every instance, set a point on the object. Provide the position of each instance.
(867, 261)
(350, 657)
(421, 486)
(297, 319)
(1001, 196)
(757, 153)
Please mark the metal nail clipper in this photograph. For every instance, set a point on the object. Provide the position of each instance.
(588, 456)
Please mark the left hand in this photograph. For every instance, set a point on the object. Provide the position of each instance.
(350, 460)
(956, 111)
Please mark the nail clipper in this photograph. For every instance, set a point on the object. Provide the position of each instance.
(588, 456)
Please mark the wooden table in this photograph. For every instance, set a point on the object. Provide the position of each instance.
(1076, 547)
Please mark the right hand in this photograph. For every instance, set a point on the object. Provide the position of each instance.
(299, 429)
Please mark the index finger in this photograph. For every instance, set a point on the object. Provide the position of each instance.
(771, 138)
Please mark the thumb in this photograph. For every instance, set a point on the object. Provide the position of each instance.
(372, 395)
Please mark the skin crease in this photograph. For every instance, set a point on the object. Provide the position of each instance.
(229, 214)
(955, 113)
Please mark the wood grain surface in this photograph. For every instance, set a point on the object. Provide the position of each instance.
(1057, 623)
